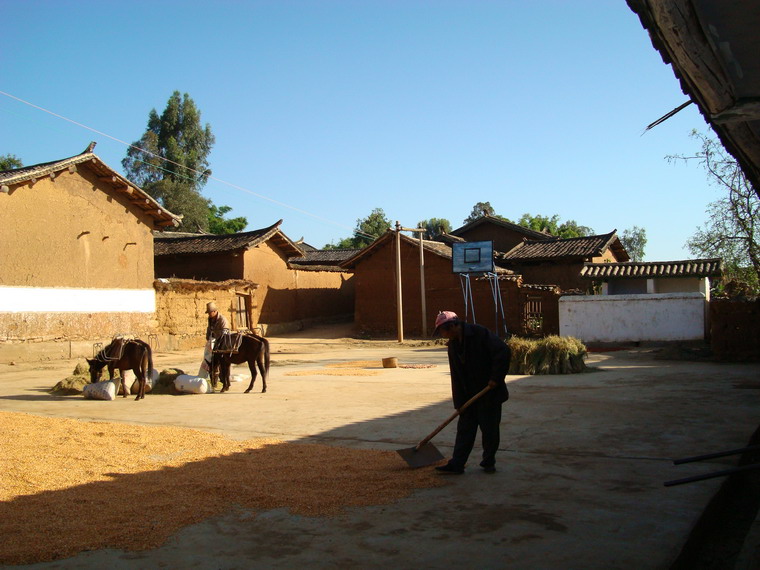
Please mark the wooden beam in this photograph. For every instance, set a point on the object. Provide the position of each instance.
(742, 110)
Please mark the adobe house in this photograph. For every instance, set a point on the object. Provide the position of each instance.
(283, 293)
(376, 304)
(504, 235)
(76, 261)
(560, 261)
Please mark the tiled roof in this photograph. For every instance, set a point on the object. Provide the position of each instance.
(322, 259)
(449, 238)
(580, 247)
(436, 247)
(650, 269)
(110, 178)
(183, 244)
(433, 246)
(505, 224)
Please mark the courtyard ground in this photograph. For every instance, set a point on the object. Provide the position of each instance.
(580, 469)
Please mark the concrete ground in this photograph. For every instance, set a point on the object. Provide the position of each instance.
(580, 469)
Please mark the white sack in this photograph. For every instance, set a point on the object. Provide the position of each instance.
(191, 384)
(104, 390)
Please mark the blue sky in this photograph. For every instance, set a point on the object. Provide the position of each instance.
(325, 110)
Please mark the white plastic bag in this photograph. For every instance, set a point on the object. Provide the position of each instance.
(188, 384)
(104, 390)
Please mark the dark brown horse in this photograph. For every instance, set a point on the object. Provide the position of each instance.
(254, 350)
(124, 354)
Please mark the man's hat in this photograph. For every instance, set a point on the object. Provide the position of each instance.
(443, 318)
(211, 307)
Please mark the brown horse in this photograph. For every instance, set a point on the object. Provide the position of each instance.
(124, 354)
(254, 350)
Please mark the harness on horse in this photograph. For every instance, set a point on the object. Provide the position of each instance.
(228, 342)
(115, 350)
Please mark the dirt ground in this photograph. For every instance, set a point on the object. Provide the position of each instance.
(579, 481)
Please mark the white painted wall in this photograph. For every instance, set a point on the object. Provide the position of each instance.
(633, 318)
(63, 300)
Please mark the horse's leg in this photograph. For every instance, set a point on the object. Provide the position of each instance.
(260, 362)
(263, 362)
(252, 368)
(224, 372)
(139, 371)
(122, 380)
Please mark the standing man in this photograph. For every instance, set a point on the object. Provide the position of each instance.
(477, 358)
(217, 325)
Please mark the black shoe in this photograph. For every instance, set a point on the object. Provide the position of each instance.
(489, 468)
(450, 469)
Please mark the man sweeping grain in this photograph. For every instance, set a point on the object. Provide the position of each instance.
(217, 326)
(477, 358)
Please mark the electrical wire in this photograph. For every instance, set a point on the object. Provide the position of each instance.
(211, 177)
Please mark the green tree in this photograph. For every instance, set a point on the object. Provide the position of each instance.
(732, 230)
(479, 210)
(552, 225)
(434, 227)
(367, 230)
(170, 161)
(9, 162)
(218, 224)
(180, 197)
(634, 241)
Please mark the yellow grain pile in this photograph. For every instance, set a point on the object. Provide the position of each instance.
(108, 485)
(549, 355)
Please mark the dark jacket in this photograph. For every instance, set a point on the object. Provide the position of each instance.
(480, 357)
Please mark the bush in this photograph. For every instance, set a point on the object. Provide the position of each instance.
(549, 355)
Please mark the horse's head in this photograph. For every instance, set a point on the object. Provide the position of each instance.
(96, 369)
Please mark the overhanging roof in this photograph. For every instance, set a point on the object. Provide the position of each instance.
(568, 248)
(203, 244)
(653, 269)
(713, 47)
(435, 247)
(493, 220)
(110, 178)
(321, 259)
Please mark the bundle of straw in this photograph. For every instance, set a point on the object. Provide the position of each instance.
(75, 383)
(549, 355)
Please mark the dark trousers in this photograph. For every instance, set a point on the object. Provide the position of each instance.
(485, 415)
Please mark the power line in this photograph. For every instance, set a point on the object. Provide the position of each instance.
(211, 177)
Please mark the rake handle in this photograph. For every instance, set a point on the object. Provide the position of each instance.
(451, 418)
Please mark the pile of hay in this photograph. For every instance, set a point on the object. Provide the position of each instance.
(73, 384)
(165, 382)
(550, 355)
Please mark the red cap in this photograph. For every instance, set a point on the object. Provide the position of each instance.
(443, 318)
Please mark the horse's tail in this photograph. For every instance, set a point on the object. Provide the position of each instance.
(148, 353)
(149, 371)
(263, 354)
(265, 342)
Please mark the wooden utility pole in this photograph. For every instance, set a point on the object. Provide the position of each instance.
(399, 308)
(399, 317)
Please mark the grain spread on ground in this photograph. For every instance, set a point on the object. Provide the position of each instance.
(69, 485)
(352, 368)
